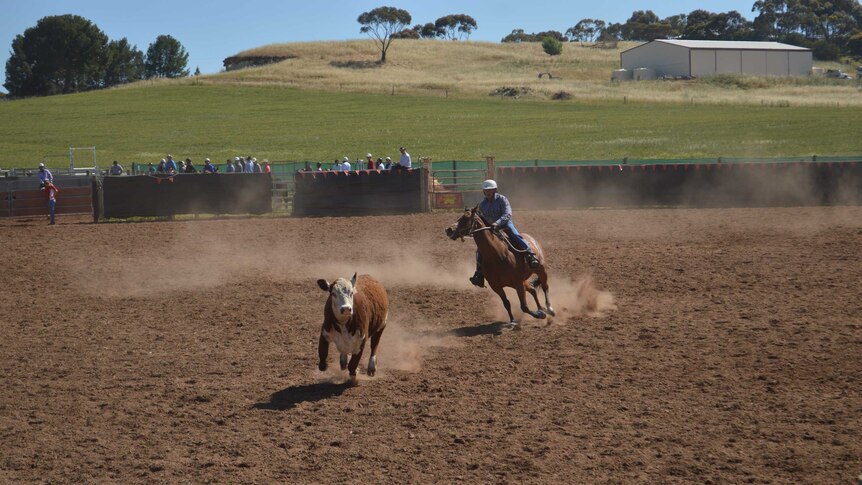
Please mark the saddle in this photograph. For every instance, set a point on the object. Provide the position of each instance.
(504, 236)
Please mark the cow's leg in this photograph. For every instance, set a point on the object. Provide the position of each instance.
(354, 360)
(502, 294)
(372, 361)
(322, 352)
(343, 361)
(522, 297)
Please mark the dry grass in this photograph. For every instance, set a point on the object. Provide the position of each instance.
(473, 69)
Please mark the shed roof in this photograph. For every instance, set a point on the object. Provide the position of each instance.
(730, 44)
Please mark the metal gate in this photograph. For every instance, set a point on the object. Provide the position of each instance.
(456, 184)
(21, 197)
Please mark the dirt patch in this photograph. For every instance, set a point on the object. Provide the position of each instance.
(720, 345)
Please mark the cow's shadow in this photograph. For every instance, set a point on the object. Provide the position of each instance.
(286, 399)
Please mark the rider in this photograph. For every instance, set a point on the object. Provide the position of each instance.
(495, 207)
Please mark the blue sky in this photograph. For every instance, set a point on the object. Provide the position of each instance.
(213, 30)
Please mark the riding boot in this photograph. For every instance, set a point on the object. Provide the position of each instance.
(532, 261)
(478, 279)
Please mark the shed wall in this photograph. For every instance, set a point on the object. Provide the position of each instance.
(702, 62)
(667, 60)
(800, 63)
(776, 63)
(728, 62)
(754, 62)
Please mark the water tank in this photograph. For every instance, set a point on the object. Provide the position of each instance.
(643, 74)
(816, 71)
(621, 75)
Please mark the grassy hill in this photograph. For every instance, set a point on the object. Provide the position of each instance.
(433, 97)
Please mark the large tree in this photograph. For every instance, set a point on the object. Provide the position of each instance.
(703, 25)
(124, 63)
(832, 19)
(586, 30)
(61, 54)
(645, 25)
(455, 27)
(381, 23)
(166, 57)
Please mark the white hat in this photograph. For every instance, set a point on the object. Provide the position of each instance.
(41, 165)
(368, 156)
(346, 159)
(206, 159)
(489, 184)
(388, 159)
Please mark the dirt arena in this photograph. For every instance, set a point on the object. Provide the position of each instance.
(705, 346)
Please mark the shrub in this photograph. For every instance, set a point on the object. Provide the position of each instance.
(552, 46)
(824, 50)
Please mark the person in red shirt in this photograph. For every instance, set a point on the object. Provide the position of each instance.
(369, 165)
(51, 193)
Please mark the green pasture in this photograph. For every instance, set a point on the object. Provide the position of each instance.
(143, 123)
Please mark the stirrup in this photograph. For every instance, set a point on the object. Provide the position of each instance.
(532, 261)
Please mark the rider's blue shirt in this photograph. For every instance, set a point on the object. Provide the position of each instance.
(497, 210)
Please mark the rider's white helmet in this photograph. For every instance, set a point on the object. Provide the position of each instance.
(489, 184)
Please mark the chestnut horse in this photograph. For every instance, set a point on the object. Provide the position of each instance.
(501, 265)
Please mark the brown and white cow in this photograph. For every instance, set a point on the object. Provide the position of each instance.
(355, 310)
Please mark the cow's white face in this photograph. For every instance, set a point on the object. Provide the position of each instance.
(342, 292)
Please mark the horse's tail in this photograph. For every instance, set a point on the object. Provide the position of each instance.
(535, 282)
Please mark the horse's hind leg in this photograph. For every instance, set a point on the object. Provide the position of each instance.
(522, 297)
(530, 286)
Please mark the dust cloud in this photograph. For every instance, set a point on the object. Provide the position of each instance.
(570, 298)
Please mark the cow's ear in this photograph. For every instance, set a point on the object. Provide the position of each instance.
(323, 284)
(353, 280)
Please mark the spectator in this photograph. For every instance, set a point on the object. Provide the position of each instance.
(249, 164)
(208, 166)
(257, 168)
(266, 167)
(188, 167)
(170, 165)
(239, 166)
(369, 162)
(336, 165)
(388, 163)
(345, 166)
(405, 161)
(151, 169)
(51, 194)
(45, 174)
(379, 165)
(307, 167)
(319, 167)
(229, 168)
(116, 169)
(162, 168)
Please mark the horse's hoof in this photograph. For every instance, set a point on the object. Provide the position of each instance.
(540, 315)
(513, 325)
(550, 311)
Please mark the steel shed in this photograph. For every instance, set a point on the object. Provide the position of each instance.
(706, 57)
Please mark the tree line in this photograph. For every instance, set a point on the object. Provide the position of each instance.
(831, 28)
(67, 54)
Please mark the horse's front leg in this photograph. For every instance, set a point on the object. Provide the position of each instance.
(502, 294)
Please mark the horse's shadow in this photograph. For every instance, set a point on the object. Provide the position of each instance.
(287, 399)
(493, 328)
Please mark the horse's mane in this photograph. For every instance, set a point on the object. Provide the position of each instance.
(482, 216)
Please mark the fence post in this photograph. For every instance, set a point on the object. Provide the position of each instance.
(426, 183)
(490, 167)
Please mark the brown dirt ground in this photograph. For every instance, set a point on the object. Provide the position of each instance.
(186, 352)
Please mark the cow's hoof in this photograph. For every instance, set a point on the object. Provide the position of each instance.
(551, 312)
(343, 362)
(321, 366)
